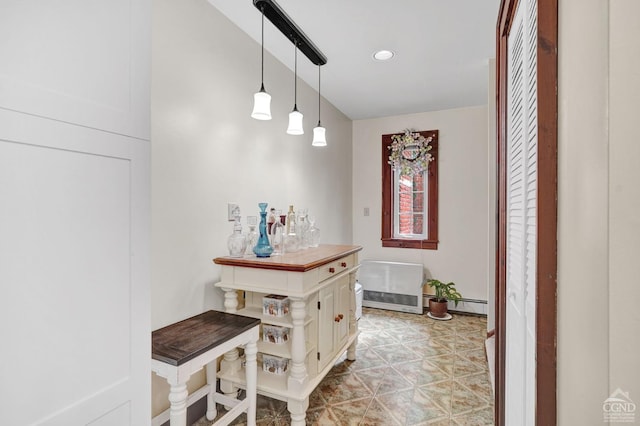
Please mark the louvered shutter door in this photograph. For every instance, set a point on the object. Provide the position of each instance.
(521, 216)
(531, 220)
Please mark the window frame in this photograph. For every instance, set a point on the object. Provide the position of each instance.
(388, 195)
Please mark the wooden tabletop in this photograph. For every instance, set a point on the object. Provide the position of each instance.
(178, 343)
(300, 261)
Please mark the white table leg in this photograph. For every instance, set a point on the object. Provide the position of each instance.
(178, 398)
(230, 300)
(251, 371)
(231, 361)
(298, 411)
(298, 376)
(210, 370)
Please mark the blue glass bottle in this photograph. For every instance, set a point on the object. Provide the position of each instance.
(263, 248)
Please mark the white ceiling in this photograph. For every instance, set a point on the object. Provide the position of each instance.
(442, 50)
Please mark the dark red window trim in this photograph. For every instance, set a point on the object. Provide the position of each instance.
(431, 243)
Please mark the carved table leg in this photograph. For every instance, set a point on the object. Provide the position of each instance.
(231, 361)
(251, 370)
(212, 411)
(298, 411)
(298, 376)
(230, 300)
(178, 398)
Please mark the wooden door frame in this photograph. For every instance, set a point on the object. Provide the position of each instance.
(547, 208)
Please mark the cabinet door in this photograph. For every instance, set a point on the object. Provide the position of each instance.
(74, 212)
(342, 303)
(326, 316)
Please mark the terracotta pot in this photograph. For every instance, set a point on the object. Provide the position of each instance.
(437, 309)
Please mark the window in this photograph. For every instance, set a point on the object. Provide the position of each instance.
(410, 202)
(409, 206)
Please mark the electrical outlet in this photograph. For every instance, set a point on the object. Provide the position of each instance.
(233, 210)
(366, 211)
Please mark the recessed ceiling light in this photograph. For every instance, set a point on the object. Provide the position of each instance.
(383, 55)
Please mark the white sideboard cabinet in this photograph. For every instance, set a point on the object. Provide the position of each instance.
(320, 286)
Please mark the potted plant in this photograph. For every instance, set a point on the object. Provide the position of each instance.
(444, 293)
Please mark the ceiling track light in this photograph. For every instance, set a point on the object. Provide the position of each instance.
(319, 138)
(290, 30)
(295, 116)
(261, 99)
(272, 11)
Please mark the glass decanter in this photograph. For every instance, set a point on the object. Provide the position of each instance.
(263, 248)
(291, 243)
(278, 233)
(302, 229)
(252, 236)
(271, 219)
(314, 233)
(291, 219)
(237, 243)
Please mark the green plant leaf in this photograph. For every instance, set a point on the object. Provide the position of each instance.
(445, 291)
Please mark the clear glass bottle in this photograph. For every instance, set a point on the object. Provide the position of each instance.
(237, 243)
(271, 219)
(291, 220)
(291, 243)
(252, 236)
(278, 233)
(302, 229)
(313, 233)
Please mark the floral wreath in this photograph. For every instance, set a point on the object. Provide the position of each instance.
(410, 152)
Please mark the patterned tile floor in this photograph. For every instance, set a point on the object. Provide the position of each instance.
(409, 370)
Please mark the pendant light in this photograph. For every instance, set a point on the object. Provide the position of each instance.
(295, 116)
(261, 99)
(319, 131)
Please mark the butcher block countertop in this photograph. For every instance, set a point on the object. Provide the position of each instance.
(300, 261)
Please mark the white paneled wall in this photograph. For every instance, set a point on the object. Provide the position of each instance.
(74, 222)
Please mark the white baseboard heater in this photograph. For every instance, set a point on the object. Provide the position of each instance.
(392, 285)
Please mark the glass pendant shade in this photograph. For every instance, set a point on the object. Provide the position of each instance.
(295, 116)
(261, 105)
(319, 136)
(261, 99)
(295, 123)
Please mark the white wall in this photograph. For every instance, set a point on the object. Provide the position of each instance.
(462, 178)
(598, 226)
(582, 212)
(624, 198)
(207, 151)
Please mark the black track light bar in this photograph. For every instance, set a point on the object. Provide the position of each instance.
(281, 21)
